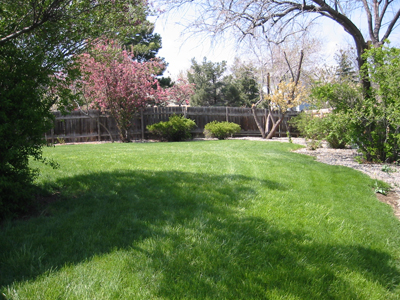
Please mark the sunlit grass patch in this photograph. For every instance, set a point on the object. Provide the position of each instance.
(202, 220)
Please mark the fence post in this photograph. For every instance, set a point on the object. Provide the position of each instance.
(52, 134)
(184, 108)
(266, 121)
(227, 114)
(279, 114)
(98, 126)
(142, 122)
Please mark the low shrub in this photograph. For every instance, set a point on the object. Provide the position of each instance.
(313, 144)
(336, 130)
(177, 128)
(221, 130)
(331, 128)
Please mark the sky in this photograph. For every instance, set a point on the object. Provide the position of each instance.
(179, 51)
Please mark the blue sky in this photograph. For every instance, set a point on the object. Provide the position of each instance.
(178, 52)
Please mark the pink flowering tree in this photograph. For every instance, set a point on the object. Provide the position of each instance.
(181, 92)
(114, 82)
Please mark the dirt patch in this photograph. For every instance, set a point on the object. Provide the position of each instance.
(43, 203)
(392, 199)
(40, 206)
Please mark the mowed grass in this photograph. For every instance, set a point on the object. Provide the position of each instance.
(201, 220)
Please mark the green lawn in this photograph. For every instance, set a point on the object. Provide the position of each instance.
(201, 220)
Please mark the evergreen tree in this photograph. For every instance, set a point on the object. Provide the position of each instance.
(208, 80)
(145, 44)
(345, 67)
(244, 80)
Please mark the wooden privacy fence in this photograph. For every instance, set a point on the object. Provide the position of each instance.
(97, 126)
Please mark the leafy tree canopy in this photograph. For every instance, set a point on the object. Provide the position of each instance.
(38, 38)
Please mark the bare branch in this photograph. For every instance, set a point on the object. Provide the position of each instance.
(288, 64)
(391, 26)
(21, 32)
(369, 18)
(299, 67)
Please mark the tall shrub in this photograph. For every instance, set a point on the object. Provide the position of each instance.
(372, 119)
(376, 124)
(24, 118)
(37, 39)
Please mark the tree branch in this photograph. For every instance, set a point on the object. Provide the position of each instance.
(369, 18)
(289, 66)
(299, 68)
(391, 26)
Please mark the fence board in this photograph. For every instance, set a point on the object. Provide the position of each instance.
(79, 127)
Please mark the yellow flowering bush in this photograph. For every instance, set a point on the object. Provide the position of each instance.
(288, 95)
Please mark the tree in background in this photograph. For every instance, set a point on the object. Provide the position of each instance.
(287, 95)
(275, 21)
(145, 44)
(345, 67)
(38, 39)
(181, 92)
(113, 81)
(208, 80)
(214, 88)
(275, 59)
(241, 86)
(278, 63)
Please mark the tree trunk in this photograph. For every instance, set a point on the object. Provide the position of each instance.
(108, 131)
(365, 82)
(123, 132)
(259, 125)
(275, 126)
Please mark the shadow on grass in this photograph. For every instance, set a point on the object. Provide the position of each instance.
(218, 252)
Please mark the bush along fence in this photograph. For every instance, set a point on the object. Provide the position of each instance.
(99, 126)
